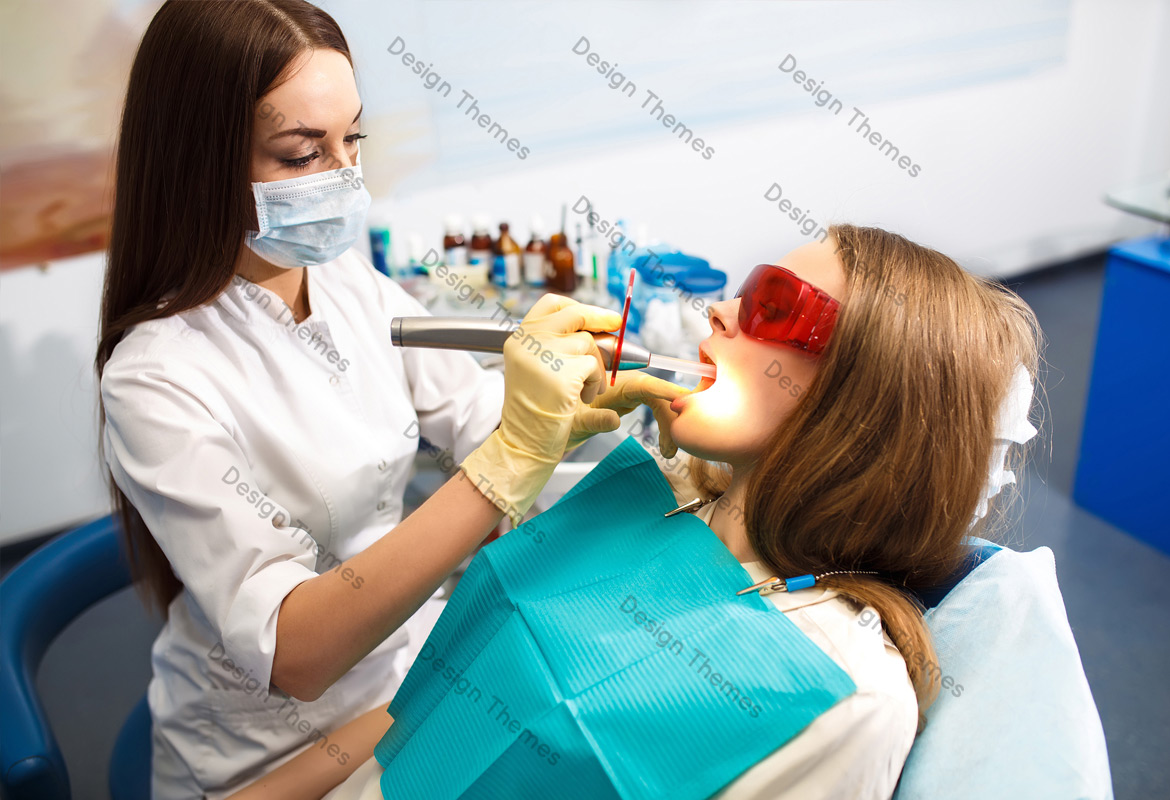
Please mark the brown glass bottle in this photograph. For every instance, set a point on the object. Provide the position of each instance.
(558, 271)
(534, 256)
(481, 245)
(509, 251)
(454, 245)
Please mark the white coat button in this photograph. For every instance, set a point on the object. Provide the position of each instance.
(382, 465)
(381, 506)
(333, 379)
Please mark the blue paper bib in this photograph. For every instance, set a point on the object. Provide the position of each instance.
(600, 651)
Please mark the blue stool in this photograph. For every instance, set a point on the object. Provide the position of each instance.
(38, 599)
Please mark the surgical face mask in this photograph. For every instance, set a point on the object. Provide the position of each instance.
(310, 220)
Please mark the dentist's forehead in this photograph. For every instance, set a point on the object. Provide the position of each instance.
(321, 93)
(817, 263)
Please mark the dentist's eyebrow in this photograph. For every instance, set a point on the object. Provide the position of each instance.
(312, 133)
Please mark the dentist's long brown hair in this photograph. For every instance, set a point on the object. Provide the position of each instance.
(182, 192)
(882, 463)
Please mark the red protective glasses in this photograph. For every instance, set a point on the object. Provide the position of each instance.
(779, 307)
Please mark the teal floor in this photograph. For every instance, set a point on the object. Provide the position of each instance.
(1115, 587)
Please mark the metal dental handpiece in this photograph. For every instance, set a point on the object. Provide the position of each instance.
(487, 336)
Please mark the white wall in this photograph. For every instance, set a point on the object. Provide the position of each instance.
(1013, 175)
(49, 473)
(1013, 172)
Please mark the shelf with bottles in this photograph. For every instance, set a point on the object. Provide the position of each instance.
(494, 276)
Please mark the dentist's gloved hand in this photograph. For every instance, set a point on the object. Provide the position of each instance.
(551, 366)
(632, 389)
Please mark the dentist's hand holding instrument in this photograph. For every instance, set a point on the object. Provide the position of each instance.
(604, 412)
(555, 396)
(632, 389)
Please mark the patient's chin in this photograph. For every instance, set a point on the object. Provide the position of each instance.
(725, 424)
(702, 435)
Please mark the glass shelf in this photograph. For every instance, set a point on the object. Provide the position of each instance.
(1150, 200)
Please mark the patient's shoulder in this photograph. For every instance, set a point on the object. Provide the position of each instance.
(853, 637)
(857, 747)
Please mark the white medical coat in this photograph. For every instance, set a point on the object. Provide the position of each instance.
(261, 452)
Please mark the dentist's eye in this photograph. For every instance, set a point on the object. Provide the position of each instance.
(299, 163)
(304, 161)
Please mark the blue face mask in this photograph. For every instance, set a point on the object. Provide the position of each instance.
(311, 220)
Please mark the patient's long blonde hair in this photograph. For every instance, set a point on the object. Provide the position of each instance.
(882, 463)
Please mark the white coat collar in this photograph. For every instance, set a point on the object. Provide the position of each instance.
(248, 301)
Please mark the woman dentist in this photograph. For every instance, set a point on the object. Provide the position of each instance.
(257, 424)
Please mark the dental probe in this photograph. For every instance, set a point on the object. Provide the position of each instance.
(488, 336)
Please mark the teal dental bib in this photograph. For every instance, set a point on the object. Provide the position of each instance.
(600, 651)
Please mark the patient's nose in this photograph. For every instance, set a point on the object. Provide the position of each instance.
(724, 316)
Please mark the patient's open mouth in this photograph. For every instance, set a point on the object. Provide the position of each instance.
(705, 382)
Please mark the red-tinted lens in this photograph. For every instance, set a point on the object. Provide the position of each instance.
(779, 307)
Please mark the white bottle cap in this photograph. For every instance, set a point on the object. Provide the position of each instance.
(536, 226)
(453, 223)
(480, 223)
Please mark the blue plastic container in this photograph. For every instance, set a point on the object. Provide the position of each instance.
(660, 276)
(707, 284)
(698, 290)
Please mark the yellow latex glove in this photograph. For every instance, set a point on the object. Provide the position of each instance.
(551, 366)
(632, 389)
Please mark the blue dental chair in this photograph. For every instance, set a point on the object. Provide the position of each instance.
(1014, 716)
(977, 745)
(38, 599)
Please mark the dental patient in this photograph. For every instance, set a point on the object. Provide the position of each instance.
(741, 621)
